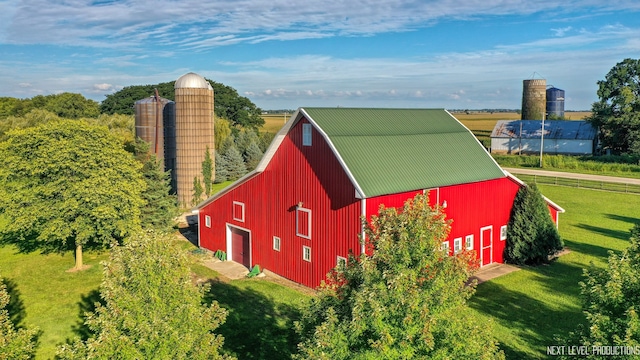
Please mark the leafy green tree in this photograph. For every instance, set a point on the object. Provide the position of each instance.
(406, 300)
(198, 191)
(14, 343)
(160, 207)
(611, 301)
(122, 126)
(222, 130)
(72, 106)
(236, 167)
(531, 234)
(65, 185)
(207, 172)
(617, 112)
(151, 309)
(32, 118)
(222, 172)
(228, 104)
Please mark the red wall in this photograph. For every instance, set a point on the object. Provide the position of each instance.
(311, 175)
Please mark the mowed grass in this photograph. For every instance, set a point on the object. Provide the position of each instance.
(528, 308)
(45, 295)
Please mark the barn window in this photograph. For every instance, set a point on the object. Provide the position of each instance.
(306, 134)
(207, 221)
(306, 253)
(238, 211)
(303, 222)
(503, 232)
(276, 243)
(445, 247)
(457, 245)
(341, 262)
(468, 242)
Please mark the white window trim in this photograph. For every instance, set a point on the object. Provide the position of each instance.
(207, 221)
(307, 134)
(304, 253)
(468, 240)
(276, 243)
(340, 259)
(234, 211)
(308, 211)
(503, 232)
(444, 246)
(457, 245)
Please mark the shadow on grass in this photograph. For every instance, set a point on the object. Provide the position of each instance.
(257, 327)
(86, 305)
(616, 234)
(15, 307)
(627, 219)
(532, 321)
(191, 234)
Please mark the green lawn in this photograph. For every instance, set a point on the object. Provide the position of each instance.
(527, 308)
(45, 295)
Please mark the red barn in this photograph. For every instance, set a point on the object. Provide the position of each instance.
(298, 213)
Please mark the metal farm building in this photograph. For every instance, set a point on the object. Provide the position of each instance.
(560, 137)
(298, 213)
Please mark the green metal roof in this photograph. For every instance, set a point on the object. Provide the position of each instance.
(388, 151)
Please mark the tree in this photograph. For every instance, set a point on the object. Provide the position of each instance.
(160, 207)
(222, 130)
(611, 300)
(239, 110)
(150, 309)
(253, 156)
(71, 106)
(197, 191)
(531, 234)
(222, 172)
(207, 172)
(15, 343)
(235, 163)
(65, 185)
(617, 112)
(405, 300)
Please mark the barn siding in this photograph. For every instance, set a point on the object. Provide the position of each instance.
(311, 175)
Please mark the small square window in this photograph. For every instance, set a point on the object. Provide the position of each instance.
(457, 245)
(238, 211)
(468, 242)
(503, 232)
(306, 253)
(207, 221)
(306, 134)
(276, 243)
(445, 247)
(341, 262)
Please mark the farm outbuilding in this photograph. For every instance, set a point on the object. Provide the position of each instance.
(560, 137)
(298, 213)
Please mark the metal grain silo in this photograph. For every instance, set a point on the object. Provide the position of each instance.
(151, 115)
(555, 102)
(534, 99)
(194, 131)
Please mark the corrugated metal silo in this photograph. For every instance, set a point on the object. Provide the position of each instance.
(555, 102)
(194, 131)
(150, 119)
(534, 94)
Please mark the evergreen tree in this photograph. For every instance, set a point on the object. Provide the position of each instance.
(244, 139)
(198, 191)
(151, 309)
(406, 300)
(253, 156)
(235, 163)
(15, 343)
(531, 234)
(222, 172)
(207, 172)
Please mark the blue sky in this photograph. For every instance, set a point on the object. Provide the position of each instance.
(466, 54)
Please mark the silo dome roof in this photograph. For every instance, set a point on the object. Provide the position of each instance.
(193, 81)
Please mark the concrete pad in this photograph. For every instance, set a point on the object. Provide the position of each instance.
(493, 271)
(229, 269)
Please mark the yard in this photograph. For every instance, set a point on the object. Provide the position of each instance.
(525, 309)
